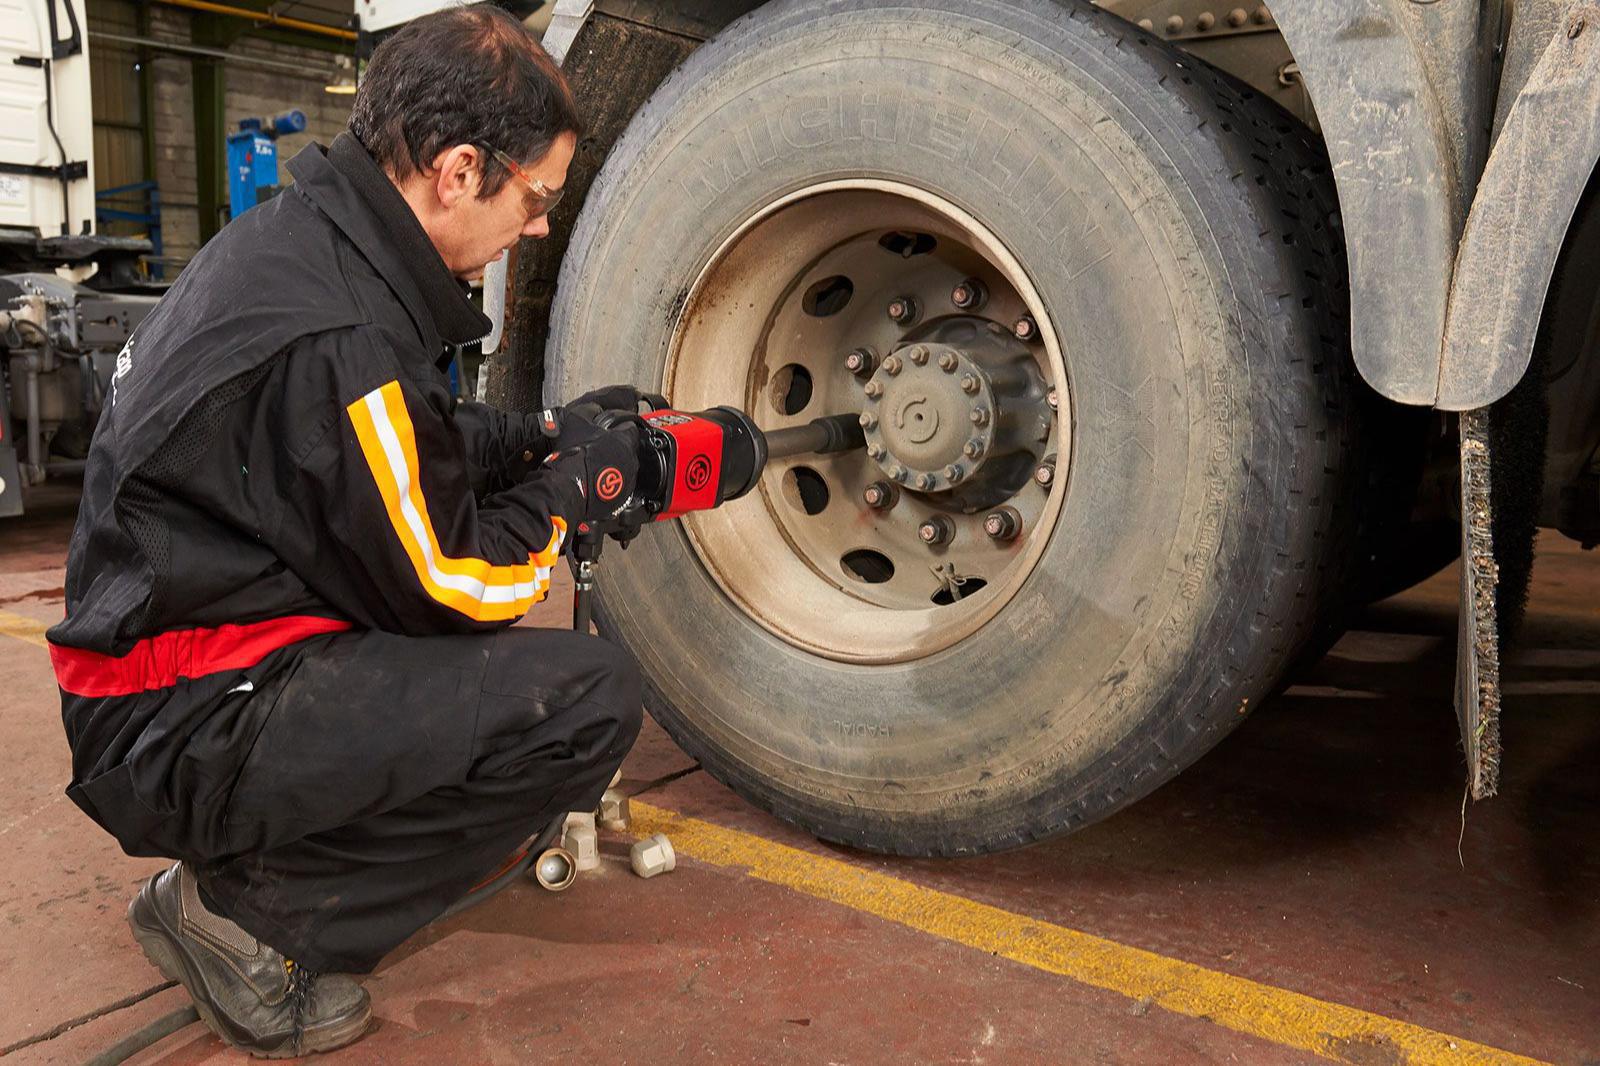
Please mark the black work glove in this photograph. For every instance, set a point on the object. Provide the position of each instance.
(605, 468)
(573, 425)
(609, 398)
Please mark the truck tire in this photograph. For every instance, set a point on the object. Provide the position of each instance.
(1173, 240)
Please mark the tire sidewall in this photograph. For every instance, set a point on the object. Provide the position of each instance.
(1124, 643)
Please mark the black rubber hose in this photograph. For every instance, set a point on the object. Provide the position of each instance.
(156, 1031)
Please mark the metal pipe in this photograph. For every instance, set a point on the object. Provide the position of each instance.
(265, 17)
(35, 428)
(210, 53)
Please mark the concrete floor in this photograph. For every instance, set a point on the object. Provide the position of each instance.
(1309, 864)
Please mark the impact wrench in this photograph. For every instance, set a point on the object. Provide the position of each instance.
(694, 462)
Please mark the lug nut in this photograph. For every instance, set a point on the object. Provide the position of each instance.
(919, 355)
(948, 362)
(925, 482)
(1050, 398)
(653, 855)
(969, 295)
(892, 365)
(936, 530)
(973, 448)
(898, 473)
(555, 869)
(954, 472)
(1004, 523)
(867, 420)
(903, 310)
(614, 815)
(873, 390)
(580, 839)
(969, 384)
(979, 416)
(1045, 472)
(876, 451)
(880, 495)
(1025, 328)
(860, 362)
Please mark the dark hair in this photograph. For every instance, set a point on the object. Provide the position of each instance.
(464, 75)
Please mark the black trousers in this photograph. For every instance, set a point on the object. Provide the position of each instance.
(383, 776)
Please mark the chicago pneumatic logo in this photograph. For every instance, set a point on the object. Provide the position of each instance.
(698, 475)
(608, 484)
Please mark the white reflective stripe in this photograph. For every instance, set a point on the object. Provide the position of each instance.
(417, 526)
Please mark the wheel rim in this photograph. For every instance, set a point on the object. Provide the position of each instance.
(965, 407)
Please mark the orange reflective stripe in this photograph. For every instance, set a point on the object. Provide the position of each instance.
(479, 589)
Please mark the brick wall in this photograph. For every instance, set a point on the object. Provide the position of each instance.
(251, 93)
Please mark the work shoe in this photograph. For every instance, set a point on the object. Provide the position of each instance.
(249, 994)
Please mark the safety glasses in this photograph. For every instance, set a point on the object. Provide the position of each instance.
(543, 200)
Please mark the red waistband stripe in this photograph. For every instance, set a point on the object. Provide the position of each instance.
(163, 660)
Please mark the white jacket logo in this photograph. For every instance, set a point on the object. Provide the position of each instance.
(124, 364)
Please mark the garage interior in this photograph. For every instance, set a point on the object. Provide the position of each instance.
(1309, 890)
(1319, 887)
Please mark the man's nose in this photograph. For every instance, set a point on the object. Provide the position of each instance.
(539, 227)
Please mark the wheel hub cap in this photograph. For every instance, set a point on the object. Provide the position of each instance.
(929, 417)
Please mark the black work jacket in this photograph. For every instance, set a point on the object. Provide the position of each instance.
(280, 455)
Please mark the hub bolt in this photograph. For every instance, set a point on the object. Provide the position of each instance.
(880, 495)
(919, 355)
(903, 310)
(1025, 328)
(1045, 472)
(867, 420)
(1004, 523)
(875, 451)
(954, 472)
(969, 384)
(979, 416)
(892, 365)
(860, 362)
(948, 362)
(898, 473)
(969, 295)
(873, 390)
(973, 448)
(1050, 398)
(936, 530)
(925, 482)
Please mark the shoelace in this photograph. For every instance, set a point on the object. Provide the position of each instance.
(301, 983)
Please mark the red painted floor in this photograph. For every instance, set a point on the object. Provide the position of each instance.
(1315, 850)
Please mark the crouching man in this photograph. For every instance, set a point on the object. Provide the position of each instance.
(285, 660)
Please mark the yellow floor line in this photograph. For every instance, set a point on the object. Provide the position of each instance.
(23, 628)
(1283, 1017)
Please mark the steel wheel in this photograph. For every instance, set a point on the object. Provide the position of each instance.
(906, 310)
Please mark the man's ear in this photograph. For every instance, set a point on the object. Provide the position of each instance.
(458, 172)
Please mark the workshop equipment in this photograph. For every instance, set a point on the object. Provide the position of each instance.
(253, 159)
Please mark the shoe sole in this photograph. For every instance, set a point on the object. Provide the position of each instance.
(156, 943)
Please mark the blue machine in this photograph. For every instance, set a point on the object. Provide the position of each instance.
(253, 159)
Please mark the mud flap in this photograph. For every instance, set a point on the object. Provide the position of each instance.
(1478, 643)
